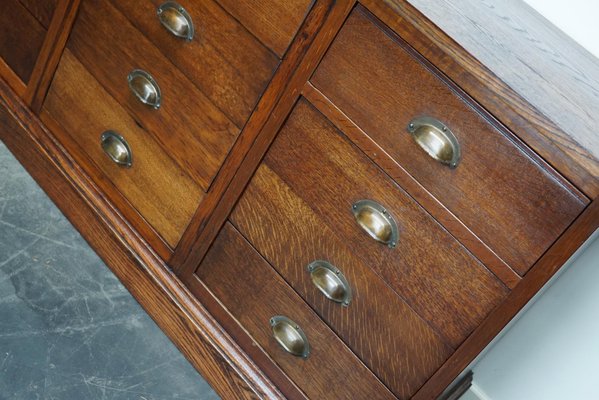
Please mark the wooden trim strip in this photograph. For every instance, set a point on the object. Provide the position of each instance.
(188, 324)
(445, 217)
(12, 78)
(50, 53)
(314, 37)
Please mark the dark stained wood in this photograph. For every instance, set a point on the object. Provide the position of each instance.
(210, 349)
(21, 38)
(42, 10)
(46, 64)
(389, 337)
(456, 227)
(229, 65)
(395, 170)
(11, 78)
(260, 130)
(154, 185)
(429, 269)
(196, 134)
(509, 199)
(253, 292)
(532, 77)
(584, 226)
(274, 22)
(230, 324)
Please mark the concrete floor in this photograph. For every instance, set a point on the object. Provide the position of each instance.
(68, 329)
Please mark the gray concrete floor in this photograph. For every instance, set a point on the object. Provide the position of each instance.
(68, 328)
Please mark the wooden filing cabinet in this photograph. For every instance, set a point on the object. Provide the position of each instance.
(312, 199)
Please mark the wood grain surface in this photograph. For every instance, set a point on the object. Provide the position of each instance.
(274, 22)
(429, 269)
(389, 337)
(194, 132)
(432, 205)
(574, 237)
(164, 195)
(253, 292)
(513, 202)
(21, 38)
(523, 70)
(530, 54)
(42, 10)
(271, 111)
(206, 345)
(229, 65)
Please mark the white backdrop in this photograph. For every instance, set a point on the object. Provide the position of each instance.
(578, 18)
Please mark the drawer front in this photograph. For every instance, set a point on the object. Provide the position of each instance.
(274, 22)
(376, 324)
(508, 198)
(154, 185)
(313, 164)
(196, 133)
(254, 293)
(225, 61)
(21, 38)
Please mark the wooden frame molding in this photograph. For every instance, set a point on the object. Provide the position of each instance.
(325, 19)
(47, 61)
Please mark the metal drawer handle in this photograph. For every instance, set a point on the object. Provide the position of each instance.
(376, 221)
(144, 87)
(290, 336)
(176, 20)
(436, 139)
(330, 281)
(117, 148)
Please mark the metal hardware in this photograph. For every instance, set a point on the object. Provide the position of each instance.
(116, 147)
(176, 20)
(144, 87)
(376, 222)
(436, 139)
(330, 281)
(290, 336)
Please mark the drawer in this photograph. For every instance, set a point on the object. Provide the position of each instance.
(274, 22)
(226, 62)
(154, 185)
(376, 324)
(505, 194)
(196, 133)
(254, 293)
(313, 166)
(21, 38)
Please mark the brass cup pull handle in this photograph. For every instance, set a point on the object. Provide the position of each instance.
(376, 221)
(117, 148)
(145, 88)
(436, 139)
(176, 20)
(290, 336)
(330, 281)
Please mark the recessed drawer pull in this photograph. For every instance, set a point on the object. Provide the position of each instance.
(116, 147)
(144, 87)
(330, 281)
(436, 139)
(176, 20)
(290, 336)
(376, 221)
